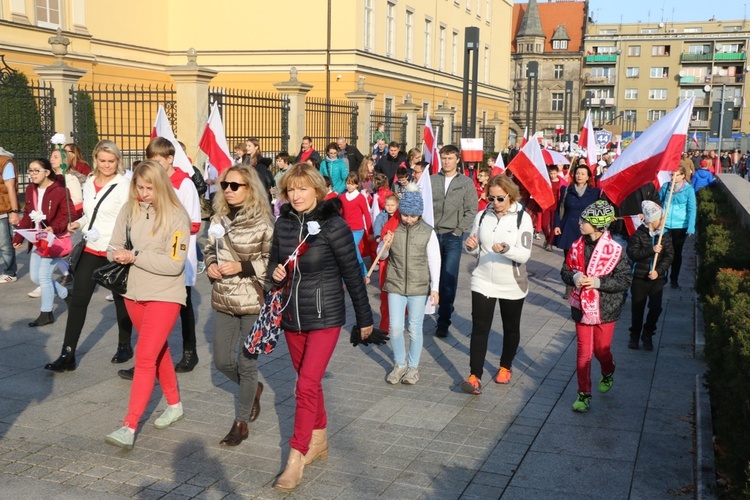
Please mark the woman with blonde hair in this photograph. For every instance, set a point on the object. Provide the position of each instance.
(152, 234)
(262, 165)
(104, 194)
(366, 172)
(311, 230)
(75, 161)
(236, 254)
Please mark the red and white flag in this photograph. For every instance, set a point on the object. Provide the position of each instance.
(214, 141)
(658, 148)
(587, 140)
(662, 177)
(695, 139)
(631, 223)
(618, 151)
(425, 187)
(529, 168)
(162, 128)
(525, 137)
(499, 166)
(431, 153)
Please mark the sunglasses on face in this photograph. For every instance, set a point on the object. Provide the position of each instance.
(492, 199)
(233, 185)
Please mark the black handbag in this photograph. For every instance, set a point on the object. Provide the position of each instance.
(114, 276)
(75, 255)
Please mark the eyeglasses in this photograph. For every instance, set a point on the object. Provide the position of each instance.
(492, 199)
(234, 185)
(34, 172)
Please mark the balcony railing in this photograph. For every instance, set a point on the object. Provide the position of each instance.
(716, 79)
(730, 56)
(695, 57)
(699, 123)
(600, 80)
(699, 101)
(601, 58)
(694, 80)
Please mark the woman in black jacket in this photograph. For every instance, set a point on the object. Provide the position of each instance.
(312, 251)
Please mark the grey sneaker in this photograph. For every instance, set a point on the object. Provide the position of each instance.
(396, 374)
(122, 437)
(170, 416)
(411, 377)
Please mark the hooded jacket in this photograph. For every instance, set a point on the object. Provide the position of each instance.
(641, 251)
(313, 292)
(682, 209)
(53, 205)
(702, 178)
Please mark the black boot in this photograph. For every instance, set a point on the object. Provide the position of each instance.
(648, 343)
(126, 374)
(187, 363)
(123, 354)
(45, 318)
(65, 363)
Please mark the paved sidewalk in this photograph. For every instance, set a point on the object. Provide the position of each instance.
(425, 441)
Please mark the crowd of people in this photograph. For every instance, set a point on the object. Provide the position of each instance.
(308, 235)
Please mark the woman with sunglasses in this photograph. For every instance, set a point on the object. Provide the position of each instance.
(501, 238)
(104, 194)
(236, 265)
(47, 208)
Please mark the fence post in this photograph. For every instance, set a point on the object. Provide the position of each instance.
(297, 91)
(364, 100)
(448, 115)
(61, 77)
(191, 85)
(497, 123)
(410, 110)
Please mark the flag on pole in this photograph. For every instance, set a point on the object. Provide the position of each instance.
(695, 139)
(214, 141)
(587, 140)
(499, 167)
(425, 187)
(631, 223)
(659, 148)
(431, 153)
(529, 168)
(162, 128)
(525, 137)
(662, 177)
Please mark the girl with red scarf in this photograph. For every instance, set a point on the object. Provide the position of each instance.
(597, 268)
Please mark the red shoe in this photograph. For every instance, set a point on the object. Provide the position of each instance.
(472, 385)
(503, 376)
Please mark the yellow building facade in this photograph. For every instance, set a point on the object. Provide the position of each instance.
(397, 51)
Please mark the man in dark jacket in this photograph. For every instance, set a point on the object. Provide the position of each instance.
(390, 162)
(351, 153)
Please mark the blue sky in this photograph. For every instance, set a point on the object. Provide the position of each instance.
(631, 11)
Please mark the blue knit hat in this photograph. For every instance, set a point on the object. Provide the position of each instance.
(411, 201)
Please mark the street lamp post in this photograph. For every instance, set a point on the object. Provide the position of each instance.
(532, 78)
(721, 121)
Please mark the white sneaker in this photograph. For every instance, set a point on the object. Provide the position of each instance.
(110, 297)
(411, 377)
(396, 375)
(4, 278)
(35, 293)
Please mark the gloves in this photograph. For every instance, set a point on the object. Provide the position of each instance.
(377, 337)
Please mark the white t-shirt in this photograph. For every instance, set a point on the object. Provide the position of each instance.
(39, 197)
(9, 172)
(448, 182)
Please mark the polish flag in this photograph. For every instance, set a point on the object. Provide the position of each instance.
(587, 140)
(695, 139)
(662, 177)
(659, 148)
(525, 137)
(214, 141)
(529, 168)
(425, 187)
(431, 153)
(499, 167)
(631, 223)
(162, 128)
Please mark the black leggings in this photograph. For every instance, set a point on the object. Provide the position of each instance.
(187, 318)
(482, 313)
(83, 289)
(678, 241)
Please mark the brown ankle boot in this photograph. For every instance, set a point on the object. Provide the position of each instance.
(292, 475)
(237, 434)
(318, 447)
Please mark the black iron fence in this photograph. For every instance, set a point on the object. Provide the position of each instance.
(437, 129)
(124, 114)
(27, 120)
(246, 114)
(343, 121)
(395, 128)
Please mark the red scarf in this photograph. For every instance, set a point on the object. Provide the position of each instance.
(603, 261)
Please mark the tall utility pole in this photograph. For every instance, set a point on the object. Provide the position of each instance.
(568, 112)
(328, 75)
(721, 122)
(468, 124)
(532, 85)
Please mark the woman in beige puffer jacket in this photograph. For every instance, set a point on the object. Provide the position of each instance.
(236, 258)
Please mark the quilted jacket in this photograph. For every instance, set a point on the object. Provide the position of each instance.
(641, 250)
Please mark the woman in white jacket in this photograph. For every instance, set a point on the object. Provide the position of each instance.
(105, 192)
(501, 237)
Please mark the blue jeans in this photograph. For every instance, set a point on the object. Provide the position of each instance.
(7, 252)
(397, 305)
(357, 238)
(40, 271)
(450, 254)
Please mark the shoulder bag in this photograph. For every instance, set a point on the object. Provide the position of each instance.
(114, 276)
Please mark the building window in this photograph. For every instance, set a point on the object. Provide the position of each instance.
(368, 25)
(634, 50)
(48, 13)
(605, 49)
(390, 28)
(632, 72)
(486, 64)
(631, 94)
(660, 50)
(487, 10)
(538, 48)
(657, 94)
(693, 30)
(557, 101)
(699, 49)
(659, 72)
(649, 31)
(560, 44)
(733, 28)
(425, 108)
(409, 48)
(454, 52)
(468, 5)
(559, 71)
(655, 114)
(441, 49)
(728, 48)
(388, 106)
(478, 10)
(427, 42)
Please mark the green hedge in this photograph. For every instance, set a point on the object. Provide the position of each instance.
(724, 283)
